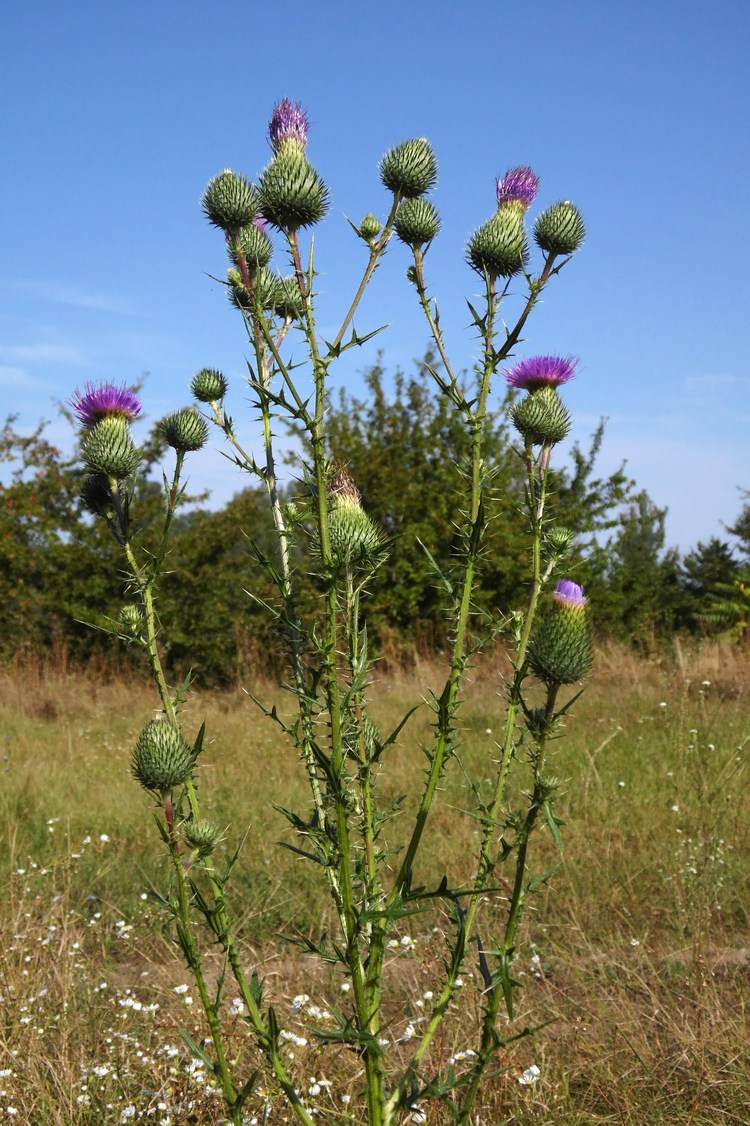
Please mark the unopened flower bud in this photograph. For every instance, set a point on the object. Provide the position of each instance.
(162, 759)
(185, 430)
(560, 646)
(369, 228)
(409, 169)
(560, 229)
(109, 449)
(230, 201)
(292, 194)
(541, 417)
(417, 222)
(287, 301)
(96, 495)
(499, 247)
(254, 245)
(559, 539)
(201, 836)
(209, 385)
(132, 620)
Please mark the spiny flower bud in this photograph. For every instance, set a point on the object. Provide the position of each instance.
(287, 299)
(208, 385)
(354, 737)
(230, 201)
(254, 245)
(417, 222)
(559, 539)
(109, 449)
(201, 836)
(542, 418)
(499, 247)
(96, 495)
(560, 229)
(104, 400)
(132, 620)
(292, 194)
(162, 759)
(288, 126)
(369, 228)
(560, 646)
(185, 430)
(355, 539)
(410, 168)
(518, 186)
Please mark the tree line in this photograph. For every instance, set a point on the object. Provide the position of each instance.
(405, 448)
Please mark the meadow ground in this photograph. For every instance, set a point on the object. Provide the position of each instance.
(637, 952)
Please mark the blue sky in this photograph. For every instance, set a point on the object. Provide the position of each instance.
(117, 115)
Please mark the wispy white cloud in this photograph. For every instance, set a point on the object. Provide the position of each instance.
(12, 376)
(68, 293)
(42, 353)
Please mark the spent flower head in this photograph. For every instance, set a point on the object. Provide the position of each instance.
(102, 400)
(542, 371)
(518, 185)
(288, 124)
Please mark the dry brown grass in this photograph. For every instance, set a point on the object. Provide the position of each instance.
(640, 942)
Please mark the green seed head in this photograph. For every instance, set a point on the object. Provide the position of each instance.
(292, 194)
(560, 229)
(108, 450)
(541, 417)
(162, 759)
(230, 201)
(209, 386)
(499, 247)
(417, 222)
(185, 430)
(409, 169)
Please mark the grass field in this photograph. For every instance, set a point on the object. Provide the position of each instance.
(637, 953)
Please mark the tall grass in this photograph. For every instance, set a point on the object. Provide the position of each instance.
(641, 964)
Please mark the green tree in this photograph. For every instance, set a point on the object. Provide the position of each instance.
(701, 570)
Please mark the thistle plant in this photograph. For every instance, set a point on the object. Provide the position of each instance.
(346, 833)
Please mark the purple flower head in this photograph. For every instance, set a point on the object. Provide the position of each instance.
(288, 123)
(542, 371)
(98, 401)
(261, 225)
(568, 593)
(518, 185)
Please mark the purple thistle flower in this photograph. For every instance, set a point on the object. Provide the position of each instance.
(568, 593)
(288, 123)
(542, 371)
(98, 401)
(518, 185)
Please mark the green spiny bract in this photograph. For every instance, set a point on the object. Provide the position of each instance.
(254, 245)
(541, 417)
(560, 646)
(277, 295)
(185, 430)
(201, 836)
(292, 194)
(364, 736)
(560, 228)
(109, 449)
(499, 247)
(417, 222)
(409, 169)
(369, 228)
(162, 759)
(230, 201)
(209, 385)
(559, 539)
